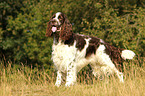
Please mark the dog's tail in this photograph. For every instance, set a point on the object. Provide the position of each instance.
(127, 54)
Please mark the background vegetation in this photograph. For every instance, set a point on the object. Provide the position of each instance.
(23, 25)
(26, 52)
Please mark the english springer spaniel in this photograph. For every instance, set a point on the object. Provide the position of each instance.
(72, 52)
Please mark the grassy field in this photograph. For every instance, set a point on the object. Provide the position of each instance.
(26, 81)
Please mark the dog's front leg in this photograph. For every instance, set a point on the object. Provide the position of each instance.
(71, 75)
(58, 79)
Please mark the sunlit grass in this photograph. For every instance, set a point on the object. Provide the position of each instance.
(26, 81)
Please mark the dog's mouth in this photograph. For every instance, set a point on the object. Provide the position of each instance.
(55, 28)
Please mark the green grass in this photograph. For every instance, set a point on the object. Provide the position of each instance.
(26, 81)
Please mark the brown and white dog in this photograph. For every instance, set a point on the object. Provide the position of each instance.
(72, 52)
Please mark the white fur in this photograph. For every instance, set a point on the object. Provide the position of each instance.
(127, 54)
(69, 60)
(63, 55)
(104, 65)
(102, 41)
(56, 17)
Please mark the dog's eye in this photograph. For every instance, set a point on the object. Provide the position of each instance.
(59, 17)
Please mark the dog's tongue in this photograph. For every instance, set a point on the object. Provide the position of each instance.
(54, 29)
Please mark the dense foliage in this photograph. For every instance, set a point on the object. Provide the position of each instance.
(23, 25)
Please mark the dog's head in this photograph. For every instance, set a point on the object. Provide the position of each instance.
(59, 23)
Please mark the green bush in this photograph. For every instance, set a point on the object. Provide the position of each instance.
(22, 31)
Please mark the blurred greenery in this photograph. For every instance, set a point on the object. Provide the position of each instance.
(23, 24)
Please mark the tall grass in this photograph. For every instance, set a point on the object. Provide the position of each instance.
(25, 81)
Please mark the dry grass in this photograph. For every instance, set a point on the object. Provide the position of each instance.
(33, 82)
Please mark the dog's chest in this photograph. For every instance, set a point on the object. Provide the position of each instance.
(63, 55)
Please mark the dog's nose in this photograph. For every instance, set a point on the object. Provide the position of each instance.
(53, 22)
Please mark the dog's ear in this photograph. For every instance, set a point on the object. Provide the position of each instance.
(66, 29)
(48, 30)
